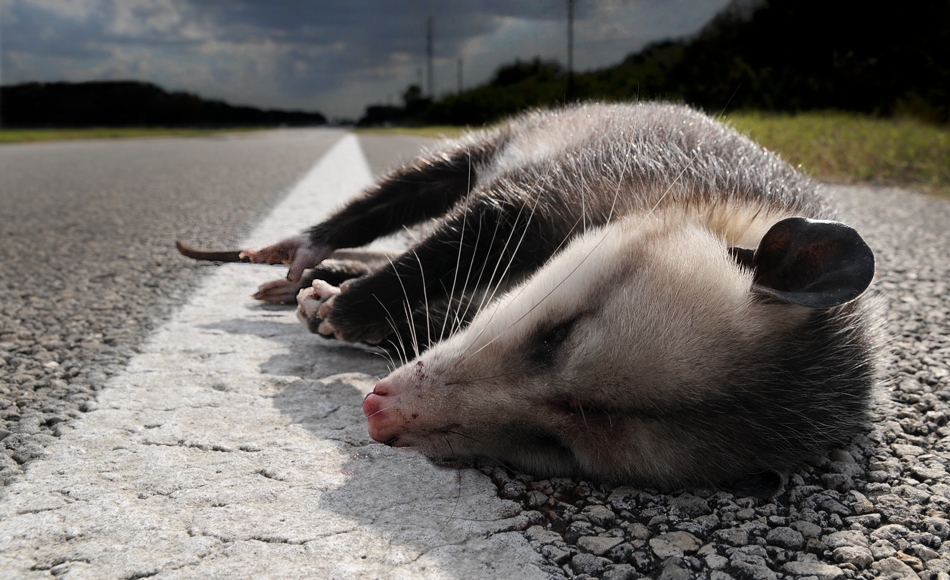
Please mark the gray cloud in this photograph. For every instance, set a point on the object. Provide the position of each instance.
(335, 56)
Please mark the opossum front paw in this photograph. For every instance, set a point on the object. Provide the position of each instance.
(277, 292)
(310, 307)
(327, 310)
(344, 316)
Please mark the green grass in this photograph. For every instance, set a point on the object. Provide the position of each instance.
(436, 131)
(834, 147)
(847, 148)
(31, 135)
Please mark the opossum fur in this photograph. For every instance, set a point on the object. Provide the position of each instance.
(629, 293)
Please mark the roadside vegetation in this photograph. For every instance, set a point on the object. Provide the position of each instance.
(884, 73)
(31, 135)
(833, 147)
(435, 131)
(852, 148)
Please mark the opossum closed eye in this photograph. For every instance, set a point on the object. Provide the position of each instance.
(548, 340)
(630, 293)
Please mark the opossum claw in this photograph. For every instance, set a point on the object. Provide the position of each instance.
(298, 252)
(277, 292)
(313, 307)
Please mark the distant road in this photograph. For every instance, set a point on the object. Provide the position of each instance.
(88, 263)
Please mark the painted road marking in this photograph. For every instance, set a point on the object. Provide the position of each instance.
(234, 445)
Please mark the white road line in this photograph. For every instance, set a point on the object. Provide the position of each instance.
(234, 446)
(340, 174)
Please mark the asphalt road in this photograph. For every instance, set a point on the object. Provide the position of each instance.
(89, 269)
(88, 262)
(233, 445)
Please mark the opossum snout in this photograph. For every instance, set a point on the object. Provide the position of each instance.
(387, 416)
(378, 406)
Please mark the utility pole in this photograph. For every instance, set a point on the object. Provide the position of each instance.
(1, 67)
(569, 97)
(429, 58)
(460, 76)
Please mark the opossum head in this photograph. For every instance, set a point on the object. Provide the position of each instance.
(652, 350)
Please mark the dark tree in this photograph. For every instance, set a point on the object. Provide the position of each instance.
(130, 103)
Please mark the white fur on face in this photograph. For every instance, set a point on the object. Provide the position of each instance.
(649, 285)
(660, 308)
(640, 351)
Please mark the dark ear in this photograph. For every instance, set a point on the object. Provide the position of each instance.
(812, 263)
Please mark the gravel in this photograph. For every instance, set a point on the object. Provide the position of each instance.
(877, 509)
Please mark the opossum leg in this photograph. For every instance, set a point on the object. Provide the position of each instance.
(333, 272)
(422, 189)
(502, 242)
(299, 252)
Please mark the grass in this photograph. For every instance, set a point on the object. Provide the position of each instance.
(833, 147)
(848, 148)
(436, 131)
(33, 135)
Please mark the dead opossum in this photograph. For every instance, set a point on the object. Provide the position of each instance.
(630, 293)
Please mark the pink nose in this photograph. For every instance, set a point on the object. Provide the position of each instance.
(381, 417)
(373, 403)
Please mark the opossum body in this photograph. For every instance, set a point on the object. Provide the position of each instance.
(630, 293)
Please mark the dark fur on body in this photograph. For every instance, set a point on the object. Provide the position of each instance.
(542, 204)
(508, 202)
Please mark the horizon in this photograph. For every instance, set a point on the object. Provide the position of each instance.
(335, 59)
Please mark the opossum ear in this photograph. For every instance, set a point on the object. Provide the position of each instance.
(812, 263)
(743, 257)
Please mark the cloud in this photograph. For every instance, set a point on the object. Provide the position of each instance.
(335, 56)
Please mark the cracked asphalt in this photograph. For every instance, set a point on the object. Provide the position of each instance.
(261, 465)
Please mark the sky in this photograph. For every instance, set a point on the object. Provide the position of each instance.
(331, 56)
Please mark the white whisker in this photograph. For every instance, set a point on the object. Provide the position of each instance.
(400, 347)
(606, 233)
(481, 272)
(458, 258)
(425, 300)
(408, 311)
(490, 296)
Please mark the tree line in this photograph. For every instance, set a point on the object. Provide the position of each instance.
(130, 104)
(869, 56)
